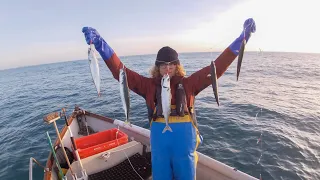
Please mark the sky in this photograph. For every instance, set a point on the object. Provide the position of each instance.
(40, 32)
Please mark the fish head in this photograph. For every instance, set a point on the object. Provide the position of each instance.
(165, 81)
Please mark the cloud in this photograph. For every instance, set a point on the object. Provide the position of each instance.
(281, 26)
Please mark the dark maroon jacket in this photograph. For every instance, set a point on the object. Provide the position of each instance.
(196, 82)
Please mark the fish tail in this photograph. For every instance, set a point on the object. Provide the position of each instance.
(167, 128)
(217, 98)
(128, 123)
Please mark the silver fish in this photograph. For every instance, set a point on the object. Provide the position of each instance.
(166, 100)
(94, 67)
(241, 52)
(124, 93)
(214, 82)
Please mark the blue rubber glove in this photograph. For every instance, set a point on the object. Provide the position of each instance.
(249, 27)
(92, 36)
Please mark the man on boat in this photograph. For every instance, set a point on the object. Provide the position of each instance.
(173, 153)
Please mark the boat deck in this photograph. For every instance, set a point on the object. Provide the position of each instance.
(142, 164)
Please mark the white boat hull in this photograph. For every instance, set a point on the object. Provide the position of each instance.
(139, 138)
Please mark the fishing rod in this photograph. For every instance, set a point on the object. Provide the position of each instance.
(52, 118)
(55, 157)
(84, 173)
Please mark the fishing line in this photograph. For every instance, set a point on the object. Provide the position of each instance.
(118, 99)
(127, 155)
(114, 117)
(261, 130)
(260, 141)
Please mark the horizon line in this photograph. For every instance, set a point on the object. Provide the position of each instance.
(249, 51)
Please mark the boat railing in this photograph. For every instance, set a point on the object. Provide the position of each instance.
(31, 164)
